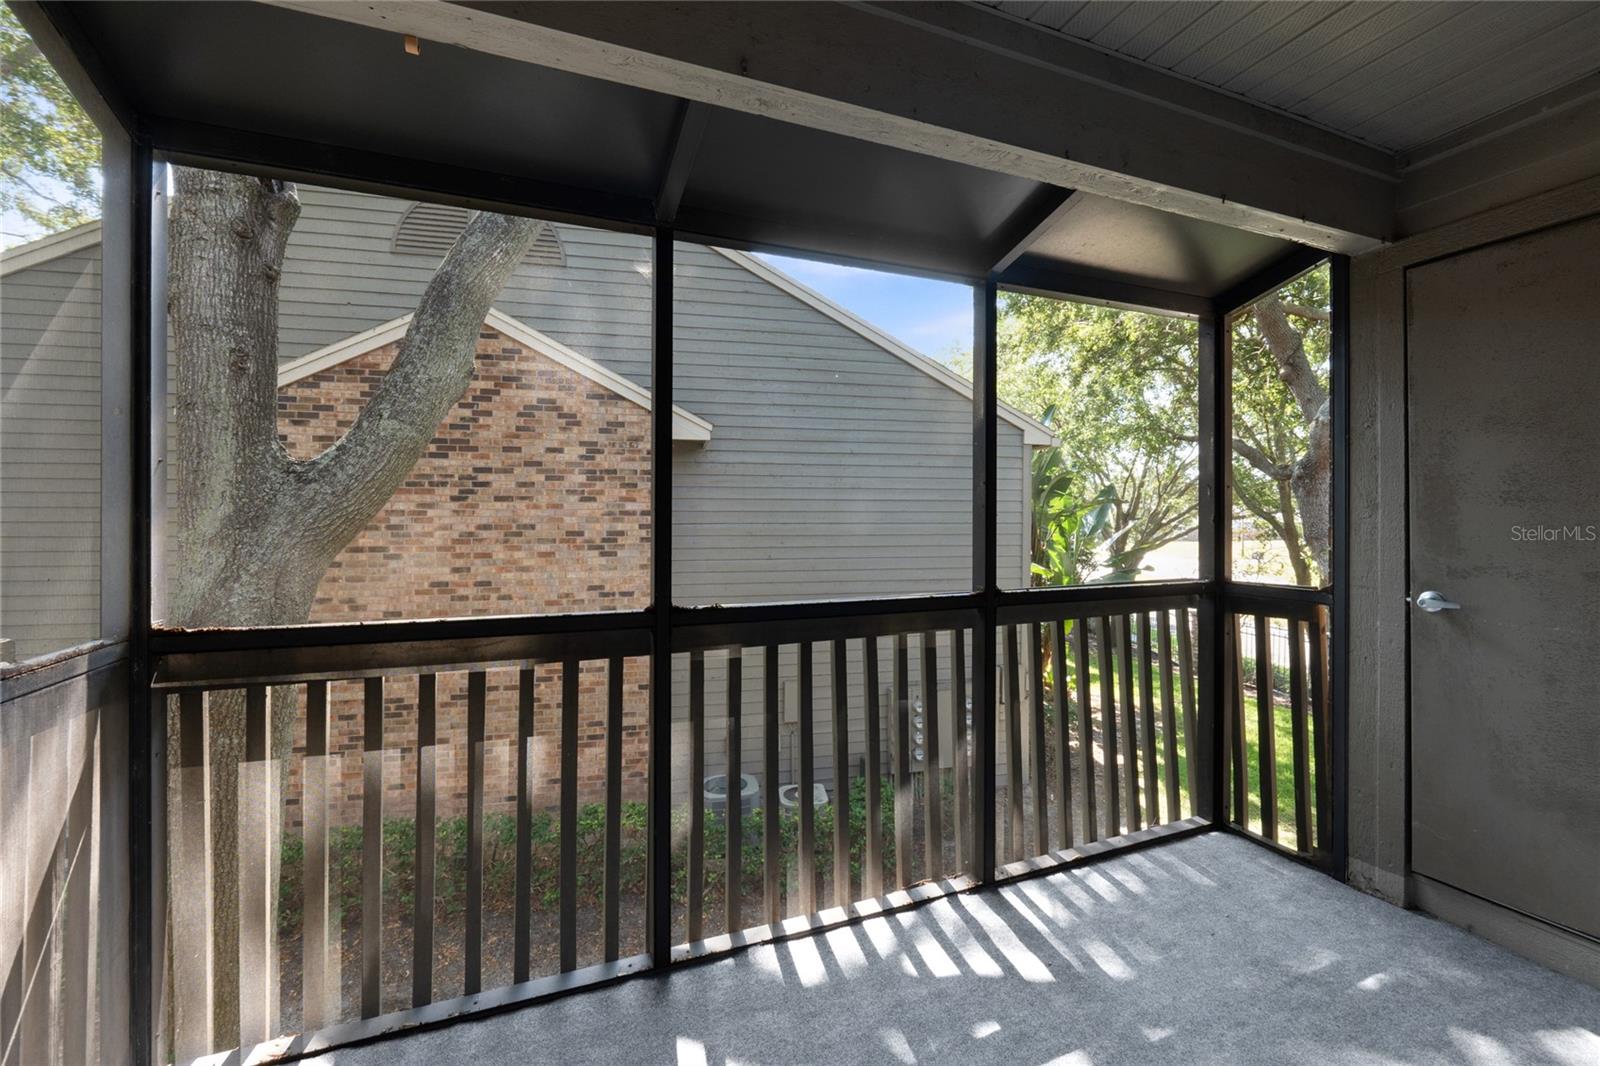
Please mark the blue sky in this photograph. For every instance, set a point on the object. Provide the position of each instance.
(934, 317)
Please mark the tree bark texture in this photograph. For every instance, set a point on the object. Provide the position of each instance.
(1311, 476)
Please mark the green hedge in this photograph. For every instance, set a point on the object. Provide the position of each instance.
(499, 856)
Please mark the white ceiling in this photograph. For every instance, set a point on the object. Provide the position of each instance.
(1397, 75)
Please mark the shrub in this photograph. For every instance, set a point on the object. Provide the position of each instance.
(500, 846)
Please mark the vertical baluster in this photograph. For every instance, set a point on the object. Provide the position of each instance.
(1058, 654)
(841, 776)
(1012, 654)
(1091, 821)
(771, 841)
(613, 870)
(423, 877)
(192, 909)
(808, 780)
(959, 757)
(1235, 724)
(1040, 762)
(872, 870)
(697, 795)
(733, 810)
(902, 764)
(1108, 730)
(933, 773)
(1130, 717)
(569, 815)
(522, 900)
(1322, 760)
(1147, 722)
(74, 911)
(1186, 684)
(256, 922)
(372, 850)
(1266, 729)
(316, 986)
(472, 949)
(1302, 754)
(1169, 718)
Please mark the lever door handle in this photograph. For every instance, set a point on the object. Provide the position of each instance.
(1433, 603)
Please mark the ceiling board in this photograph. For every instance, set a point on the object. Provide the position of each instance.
(1395, 74)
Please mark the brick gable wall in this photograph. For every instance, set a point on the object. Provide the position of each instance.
(533, 498)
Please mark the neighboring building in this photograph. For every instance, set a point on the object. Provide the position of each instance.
(815, 456)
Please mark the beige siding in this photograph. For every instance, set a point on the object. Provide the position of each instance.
(50, 454)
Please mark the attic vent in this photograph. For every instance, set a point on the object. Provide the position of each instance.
(430, 229)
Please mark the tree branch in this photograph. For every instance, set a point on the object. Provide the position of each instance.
(350, 482)
(1316, 314)
(1289, 352)
(1260, 460)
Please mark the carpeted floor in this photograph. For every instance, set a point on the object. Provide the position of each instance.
(1208, 950)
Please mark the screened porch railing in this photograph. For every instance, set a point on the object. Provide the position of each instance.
(1277, 724)
(1099, 724)
(437, 831)
(857, 753)
(421, 829)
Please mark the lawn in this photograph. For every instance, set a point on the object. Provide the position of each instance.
(1283, 758)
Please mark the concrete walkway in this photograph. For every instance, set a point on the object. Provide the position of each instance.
(1208, 950)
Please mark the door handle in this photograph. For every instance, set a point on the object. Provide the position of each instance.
(1433, 603)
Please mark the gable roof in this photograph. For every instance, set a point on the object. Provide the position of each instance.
(1034, 432)
(685, 426)
(45, 249)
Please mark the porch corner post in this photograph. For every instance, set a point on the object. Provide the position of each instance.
(1214, 458)
(1339, 654)
(985, 567)
(658, 917)
(146, 726)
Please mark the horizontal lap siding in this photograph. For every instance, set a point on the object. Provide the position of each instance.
(341, 277)
(50, 454)
(834, 469)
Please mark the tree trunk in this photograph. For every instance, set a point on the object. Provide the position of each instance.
(1312, 475)
(255, 529)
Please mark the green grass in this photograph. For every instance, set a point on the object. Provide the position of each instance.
(1283, 768)
(1283, 756)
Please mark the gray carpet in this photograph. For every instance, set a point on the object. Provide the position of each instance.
(1209, 950)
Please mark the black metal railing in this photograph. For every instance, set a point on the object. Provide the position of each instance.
(1277, 719)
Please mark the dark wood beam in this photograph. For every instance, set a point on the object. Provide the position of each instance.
(311, 162)
(1270, 278)
(1036, 217)
(686, 135)
(1033, 277)
(1031, 104)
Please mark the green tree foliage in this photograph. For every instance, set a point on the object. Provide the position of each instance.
(1119, 388)
(1072, 526)
(1273, 427)
(51, 158)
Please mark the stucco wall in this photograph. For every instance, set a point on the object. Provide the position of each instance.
(1379, 732)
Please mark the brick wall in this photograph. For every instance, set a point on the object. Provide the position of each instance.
(532, 499)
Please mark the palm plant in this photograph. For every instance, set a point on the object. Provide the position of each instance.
(1073, 535)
